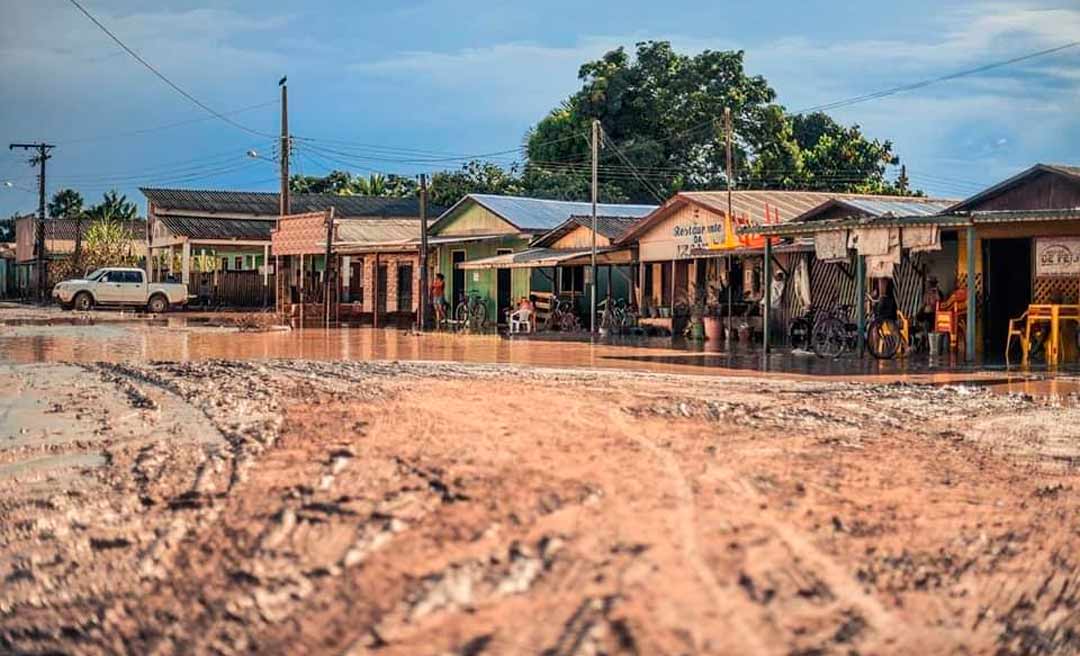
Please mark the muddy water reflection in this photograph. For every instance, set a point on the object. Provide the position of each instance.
(138, 341)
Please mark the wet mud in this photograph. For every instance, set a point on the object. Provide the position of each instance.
(303, 506)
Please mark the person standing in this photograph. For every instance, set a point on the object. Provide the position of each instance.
(438, 298)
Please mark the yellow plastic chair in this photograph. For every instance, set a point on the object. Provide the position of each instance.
(1018, 328)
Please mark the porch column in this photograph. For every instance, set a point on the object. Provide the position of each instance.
(860, 300)
(969, 331)
(639, 291)
(766, 311)
(266, 265)
(185, 262)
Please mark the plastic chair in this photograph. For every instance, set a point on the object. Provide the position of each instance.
(520, 319)
(1018, 328)
(951, 318)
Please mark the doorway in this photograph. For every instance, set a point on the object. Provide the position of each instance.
(503, 300)
(381, 287)
(1006, 288)
(457, 278)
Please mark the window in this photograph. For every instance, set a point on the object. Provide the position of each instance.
(574, 279)
(239, 262)
(224, 264)
(133, 277)
(404, 287)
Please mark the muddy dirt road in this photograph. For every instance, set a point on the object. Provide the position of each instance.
(390, 508)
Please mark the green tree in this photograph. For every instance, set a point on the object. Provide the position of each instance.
(475, 177)
(66, 204)
(665, 110)
(841, 158)
(113, 206)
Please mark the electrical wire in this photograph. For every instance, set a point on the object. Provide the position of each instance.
(162, 76)
(167, 126)
(944, 78)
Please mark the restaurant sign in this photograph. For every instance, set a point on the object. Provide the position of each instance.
(694, 239)
(1057, 257)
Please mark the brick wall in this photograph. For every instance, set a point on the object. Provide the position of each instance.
(391, 261)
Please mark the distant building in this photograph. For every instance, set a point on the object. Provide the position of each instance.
(482, 226)
(60, 237)
(204, 238)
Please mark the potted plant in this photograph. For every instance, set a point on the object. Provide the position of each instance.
(712, 324)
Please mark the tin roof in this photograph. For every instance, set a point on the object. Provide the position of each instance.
(751, 203)
(385, 231)
(870, 206)
(608, 226)
(210, 227)
(259, 203)
(64, 229)
(1058, 169)
(540, 214)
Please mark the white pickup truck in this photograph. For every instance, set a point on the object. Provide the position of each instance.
(119, 286)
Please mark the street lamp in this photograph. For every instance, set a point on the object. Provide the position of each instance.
(254, 154)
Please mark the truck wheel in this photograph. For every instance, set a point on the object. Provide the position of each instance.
(158, 304)
(83, 301)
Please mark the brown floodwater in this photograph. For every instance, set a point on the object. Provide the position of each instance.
(180, 340)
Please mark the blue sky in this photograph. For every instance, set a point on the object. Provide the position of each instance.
(464, 77)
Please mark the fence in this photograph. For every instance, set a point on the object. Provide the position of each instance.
(231, 289)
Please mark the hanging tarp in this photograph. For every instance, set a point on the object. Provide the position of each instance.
(831, 246)
(922, 238)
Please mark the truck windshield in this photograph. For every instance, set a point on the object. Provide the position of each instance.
(96, 274)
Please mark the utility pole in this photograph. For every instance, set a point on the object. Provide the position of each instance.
(592, 266)
(730, 222)
(283, 200)
(327, 269)
(40, 158)
(422, 311)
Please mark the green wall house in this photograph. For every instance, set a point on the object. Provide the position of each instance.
(481, 226)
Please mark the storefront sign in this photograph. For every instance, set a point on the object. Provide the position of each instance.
(1057, 257)
(697, 239)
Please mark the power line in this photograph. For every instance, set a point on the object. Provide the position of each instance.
(167, 126)
(944, 78)
(162, 76)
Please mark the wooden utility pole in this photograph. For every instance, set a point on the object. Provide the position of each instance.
(40, 158)
(283, 200)
(592, 265)
(422, 311)
(326, 263)
(730, 222)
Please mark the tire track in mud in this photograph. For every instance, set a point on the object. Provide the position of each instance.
(688, 536)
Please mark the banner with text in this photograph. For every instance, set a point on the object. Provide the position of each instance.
(1057, 257)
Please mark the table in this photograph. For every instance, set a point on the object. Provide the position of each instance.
(1054, 314)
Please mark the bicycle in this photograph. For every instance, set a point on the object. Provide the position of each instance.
(562, 316)
(801, 328)
(471, 313)
(833, 332)
(614, 315)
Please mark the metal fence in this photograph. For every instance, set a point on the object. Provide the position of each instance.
(231, 289)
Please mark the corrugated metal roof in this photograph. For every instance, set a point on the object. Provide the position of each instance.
(608, 226)
(810, 227)
(210, 227)
(531, 258)
(540, 214)
(971, 202)
(64, 229)
(896, 207)
(383, 231)
(261, 203)
(1023, 216)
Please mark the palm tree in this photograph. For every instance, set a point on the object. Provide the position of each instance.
(68, 204)
(373, 185)
(113, 207)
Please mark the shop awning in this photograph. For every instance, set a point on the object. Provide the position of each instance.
(534, 258)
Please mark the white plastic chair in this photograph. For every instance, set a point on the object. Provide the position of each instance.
(520, 319)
